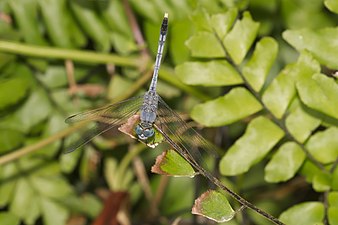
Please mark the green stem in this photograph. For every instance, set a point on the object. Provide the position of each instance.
(31, 148)
(75, 55)
(127, 159)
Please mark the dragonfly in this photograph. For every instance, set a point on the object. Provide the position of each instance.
(153, 114)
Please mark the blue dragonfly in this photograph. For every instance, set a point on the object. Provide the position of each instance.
(154, 114)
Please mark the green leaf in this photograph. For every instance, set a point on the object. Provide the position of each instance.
(300, 124)
(259, 65)
(323, 145)
(26, 14)
(333, 207)
(36, 109)
(259, 138)
(10, 139)
(332, 5)
(19, 83)
(117, 86)
(241, 37)
(319, 92)
(221, 23)
(173, 164)
(198, 47)
(53, 13)
(123, 44)
(333, 215)
(115, 16)
(320, 43)
(227, 109)
(53, 213)
(281, 91)
(334, 183)
(51, 187)
(7, 187)
(309, 170)
(201, 20)
(25, 203)
(9, 218)
(215, 206)
(87, 204)
(322, 182)
(178, 50)
(56, 76)
(309, 213)
(213, 73)
(91, 23)
(284, 163)
(178, 202)
(333, 198)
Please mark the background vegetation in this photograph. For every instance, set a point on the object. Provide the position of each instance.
(260, 74)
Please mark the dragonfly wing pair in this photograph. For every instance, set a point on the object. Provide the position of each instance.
(104, 119)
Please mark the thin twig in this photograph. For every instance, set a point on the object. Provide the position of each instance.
(70, 76)
(65, 54)
(31, 148)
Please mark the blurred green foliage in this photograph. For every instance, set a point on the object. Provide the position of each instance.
(261, 73)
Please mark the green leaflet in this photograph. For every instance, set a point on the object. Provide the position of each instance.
(304, 213)
(259, 65)
(284, 163)
(259, 138)
(322, 182)
(53, 213)
(300, 123)
(241, 37)
(281, 91)
(179, 51)
(213, 73)
(332, 5)
(91, 24)
(221, 23)
(199, 48)
(321, 43)
(226, 109)
(323, 145)
(333, 207)
(173, 164)
(9, 218)
(20, 81)
(320, 93)
(213, 205)
(10, 139)
(24, 203)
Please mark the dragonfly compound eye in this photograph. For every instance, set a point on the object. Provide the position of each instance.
(148, 133)
(144, 133)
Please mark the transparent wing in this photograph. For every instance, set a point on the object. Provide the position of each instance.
(104, 119)
(186, 140)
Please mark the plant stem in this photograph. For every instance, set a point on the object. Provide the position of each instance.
(31, 148)
(66, 54)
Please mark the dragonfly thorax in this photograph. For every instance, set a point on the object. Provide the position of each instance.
(149, 107)
(144, 131)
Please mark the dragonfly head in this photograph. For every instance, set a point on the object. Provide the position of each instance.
(144, 131)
